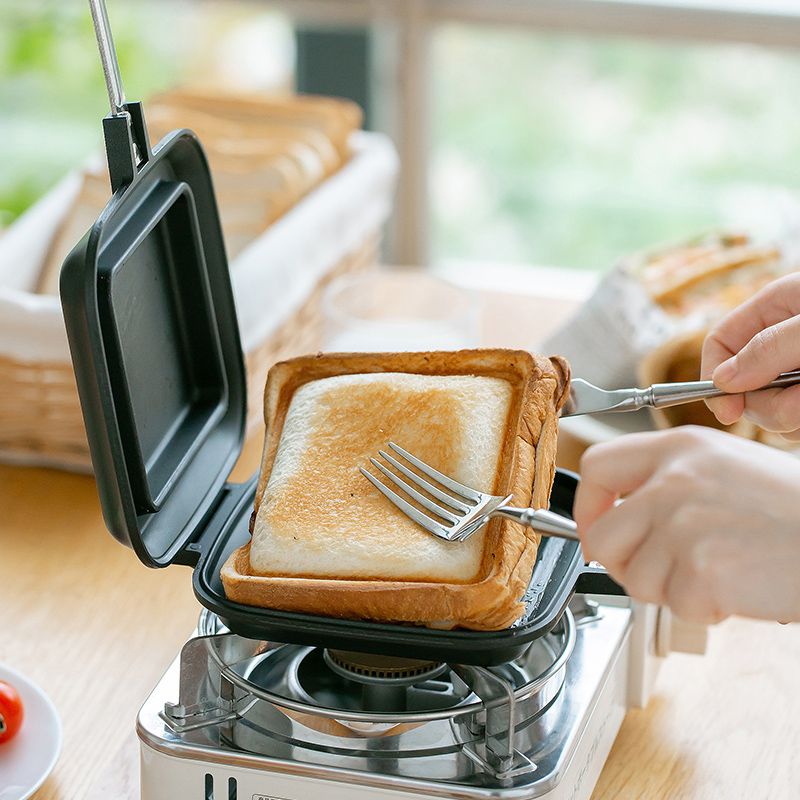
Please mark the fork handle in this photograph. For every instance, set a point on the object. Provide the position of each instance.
(663, 395)
(541, 520)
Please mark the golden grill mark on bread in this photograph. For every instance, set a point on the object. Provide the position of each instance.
(321, 518)
(525, 470)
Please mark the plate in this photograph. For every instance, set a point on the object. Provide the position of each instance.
(575, 434)
(30, 756)
(593, 428)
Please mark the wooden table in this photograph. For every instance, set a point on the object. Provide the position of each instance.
(95, 629)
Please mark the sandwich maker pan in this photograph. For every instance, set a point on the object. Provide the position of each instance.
(152, 329)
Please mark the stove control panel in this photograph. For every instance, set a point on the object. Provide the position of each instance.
(674, 635)
(656, 632)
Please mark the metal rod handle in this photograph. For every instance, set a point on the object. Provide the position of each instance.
(108, 56)
(665, 395)
(541, 520)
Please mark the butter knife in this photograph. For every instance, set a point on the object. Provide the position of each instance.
(586, 398)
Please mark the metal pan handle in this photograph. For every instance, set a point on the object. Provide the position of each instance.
(108, 56)
(127, 142)
(594, 579)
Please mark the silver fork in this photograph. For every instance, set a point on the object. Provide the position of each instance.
(462, 510)
(586, 398)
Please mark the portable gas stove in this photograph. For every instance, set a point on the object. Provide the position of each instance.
(237, 718)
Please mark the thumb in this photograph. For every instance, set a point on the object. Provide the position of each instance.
(770, 352)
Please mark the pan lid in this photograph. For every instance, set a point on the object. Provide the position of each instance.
(152, 328)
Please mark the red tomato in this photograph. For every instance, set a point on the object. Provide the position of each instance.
(11, 712)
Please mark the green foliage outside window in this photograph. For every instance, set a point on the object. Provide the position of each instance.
(570, 151)
(52, 90)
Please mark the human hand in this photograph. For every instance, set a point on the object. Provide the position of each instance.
(709, 523)
(750, 347)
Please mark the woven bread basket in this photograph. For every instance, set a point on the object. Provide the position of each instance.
(278, 279)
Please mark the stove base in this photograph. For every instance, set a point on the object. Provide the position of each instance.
(165, 777)
(584, 722)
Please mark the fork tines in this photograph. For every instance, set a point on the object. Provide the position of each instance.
(449, 510)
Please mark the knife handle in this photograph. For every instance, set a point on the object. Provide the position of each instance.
(663, 395)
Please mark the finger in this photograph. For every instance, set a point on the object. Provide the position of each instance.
(718, 347)
(611, 469)
(592, 501)
(673, 535)
(727, 409)
(615, 537)
(689, 601)
(775, 410)
(768, 353)
(716, 351)
(693, 587)
(790, 436)
(646, 572)
(776, 302)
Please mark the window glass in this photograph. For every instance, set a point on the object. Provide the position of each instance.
(569, 151)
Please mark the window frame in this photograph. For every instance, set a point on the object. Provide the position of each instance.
(404, 29)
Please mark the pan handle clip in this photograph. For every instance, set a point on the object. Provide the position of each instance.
(127, 145)
(127, 142)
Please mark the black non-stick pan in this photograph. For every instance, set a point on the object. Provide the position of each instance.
(559, 572)
(152, 329)
(155, 344)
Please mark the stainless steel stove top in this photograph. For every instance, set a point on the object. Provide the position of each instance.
(234, 718)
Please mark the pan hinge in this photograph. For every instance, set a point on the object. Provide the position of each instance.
(127, 145)
(226, 507)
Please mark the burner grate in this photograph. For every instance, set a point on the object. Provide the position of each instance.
(380, 668)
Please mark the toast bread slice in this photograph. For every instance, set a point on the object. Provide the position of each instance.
(486, 415)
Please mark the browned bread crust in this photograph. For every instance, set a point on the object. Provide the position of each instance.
(710, 276)
(492, 600)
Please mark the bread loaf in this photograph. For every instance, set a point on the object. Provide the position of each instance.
(697, 284)
(325, 541)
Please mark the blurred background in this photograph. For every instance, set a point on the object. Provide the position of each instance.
(551, 134)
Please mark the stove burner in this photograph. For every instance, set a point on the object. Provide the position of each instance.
(357, 681)
(368, 668)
